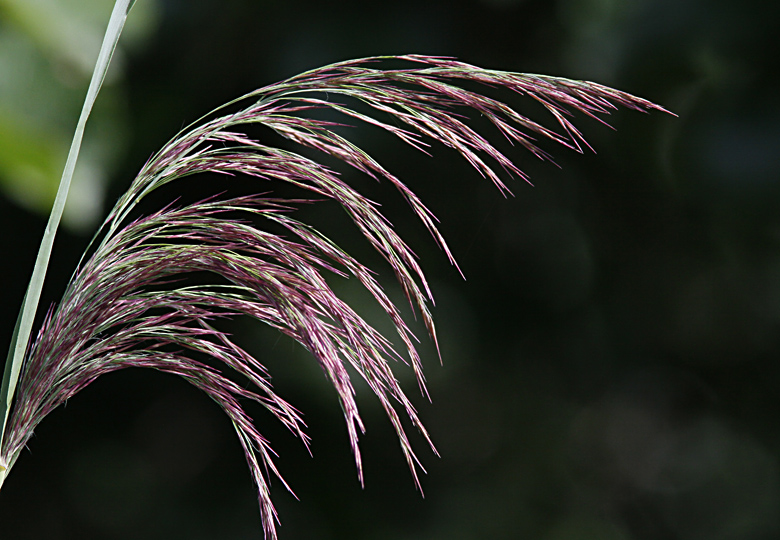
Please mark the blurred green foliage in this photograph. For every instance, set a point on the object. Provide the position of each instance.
(47, 52)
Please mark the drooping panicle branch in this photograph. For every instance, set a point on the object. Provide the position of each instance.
(126, 307)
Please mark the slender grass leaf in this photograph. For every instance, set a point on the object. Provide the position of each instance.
(21, 336)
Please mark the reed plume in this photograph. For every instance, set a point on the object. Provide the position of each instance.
(126, 306)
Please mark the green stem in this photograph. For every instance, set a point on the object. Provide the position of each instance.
(21, 337)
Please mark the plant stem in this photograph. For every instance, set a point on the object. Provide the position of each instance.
(23, 329)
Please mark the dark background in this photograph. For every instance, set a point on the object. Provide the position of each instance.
(610, 365)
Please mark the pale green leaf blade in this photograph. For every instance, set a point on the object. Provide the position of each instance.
(24, 324)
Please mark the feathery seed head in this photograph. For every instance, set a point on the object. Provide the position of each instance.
(123, 307)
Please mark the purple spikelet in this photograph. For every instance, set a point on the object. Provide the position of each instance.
(123, 308)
